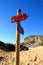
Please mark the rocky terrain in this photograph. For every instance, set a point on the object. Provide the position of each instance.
(31, 52)
(33, 40)
(33, 56)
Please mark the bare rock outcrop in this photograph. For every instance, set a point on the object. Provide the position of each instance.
(33, 41)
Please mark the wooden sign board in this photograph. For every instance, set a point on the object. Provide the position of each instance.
(19, 18)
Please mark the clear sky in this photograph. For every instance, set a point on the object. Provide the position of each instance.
(32, 26)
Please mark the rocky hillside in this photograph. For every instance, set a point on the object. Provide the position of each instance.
(33, 41)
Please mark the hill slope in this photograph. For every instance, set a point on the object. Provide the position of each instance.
(34, 56)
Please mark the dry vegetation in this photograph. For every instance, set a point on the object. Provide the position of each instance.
(40, 44)
(32, 56)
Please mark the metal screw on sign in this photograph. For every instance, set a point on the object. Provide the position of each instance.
(18, 18)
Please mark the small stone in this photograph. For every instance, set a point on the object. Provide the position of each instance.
(35, 59)
(28, 64)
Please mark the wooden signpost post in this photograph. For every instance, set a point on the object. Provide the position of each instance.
(18, 41)
(20, 17)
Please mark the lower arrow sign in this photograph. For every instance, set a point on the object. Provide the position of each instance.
(20, 29)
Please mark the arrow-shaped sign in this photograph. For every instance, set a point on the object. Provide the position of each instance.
(19, 18)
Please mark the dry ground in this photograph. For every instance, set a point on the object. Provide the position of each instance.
(34, 56)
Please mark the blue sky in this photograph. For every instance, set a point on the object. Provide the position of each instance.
(33, 25)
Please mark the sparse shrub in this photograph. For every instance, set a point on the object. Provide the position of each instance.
(21, 47)
(25, 48)
(40, 44)
(2, 43)
(10, 47)
(32, 42)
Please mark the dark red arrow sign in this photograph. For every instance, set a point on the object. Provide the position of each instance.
(19, 18)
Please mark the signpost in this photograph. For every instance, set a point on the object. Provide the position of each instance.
(18, 41)
(20, 17)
